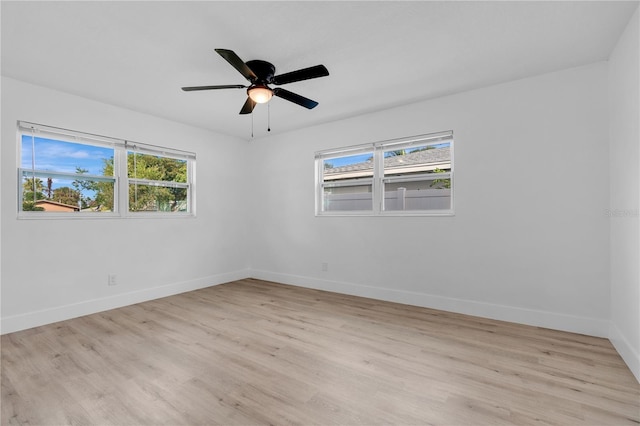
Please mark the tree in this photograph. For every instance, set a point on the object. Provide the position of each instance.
(104, 190)
(144, 197)
(399, 152)
(49, 187)
(81, 185)
(66, 195)
(396, 153)
(441, 183)
(33, 184)
(32, 191)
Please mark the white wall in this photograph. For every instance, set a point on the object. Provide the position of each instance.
(529, 241)
(57, 269)
(624, 163)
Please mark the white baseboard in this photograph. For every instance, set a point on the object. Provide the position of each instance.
(626, 351)
(61, 313)
(575, 324)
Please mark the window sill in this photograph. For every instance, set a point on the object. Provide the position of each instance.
(388, 214)
(101, 216)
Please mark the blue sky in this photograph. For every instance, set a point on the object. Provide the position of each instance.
(351, 159)
(63, 156)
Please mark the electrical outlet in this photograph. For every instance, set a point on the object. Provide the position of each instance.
(112, 280)
(325, 267)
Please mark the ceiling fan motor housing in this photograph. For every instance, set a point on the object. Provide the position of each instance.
(263, 70)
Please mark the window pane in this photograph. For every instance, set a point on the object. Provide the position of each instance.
(347, 198)
(350, 195)
(417, 195)
(418, 162)
(348, 167)
(152, 167)
(420, 159)
(61, 176)
(69, 157)
(148, 193)
(153, 198)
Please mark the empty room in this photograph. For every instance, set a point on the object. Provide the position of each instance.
(329, 213)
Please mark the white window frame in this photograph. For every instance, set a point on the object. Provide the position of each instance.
(378, 180)
(120, 177)
(321, 157)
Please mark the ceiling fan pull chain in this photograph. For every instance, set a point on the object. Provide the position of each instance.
(268, 117)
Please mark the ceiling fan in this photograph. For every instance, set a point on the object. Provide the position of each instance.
(262, 73)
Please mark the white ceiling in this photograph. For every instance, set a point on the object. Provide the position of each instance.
(137, 55)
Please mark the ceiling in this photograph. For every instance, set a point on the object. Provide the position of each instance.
(379, 54)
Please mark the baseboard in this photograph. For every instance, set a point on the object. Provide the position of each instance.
(575, 324)
(61, 313)
(626, 351)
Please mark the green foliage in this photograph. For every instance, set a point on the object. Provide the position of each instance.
(144, 197)
(441, 183)
(30, 206)
(151, 167)
(66, 195)
(32, 190)
(80, 186)
(33, 184)
(104, 190)
(395, 153)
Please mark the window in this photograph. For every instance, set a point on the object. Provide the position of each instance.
(399, 177)
(347, 181)
(75, 174)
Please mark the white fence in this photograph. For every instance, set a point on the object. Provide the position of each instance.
(402, 199)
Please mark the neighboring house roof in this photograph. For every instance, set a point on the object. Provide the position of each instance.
(413, 162)
(54, 206)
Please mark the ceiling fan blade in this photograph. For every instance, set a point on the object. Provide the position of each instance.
(248, 106)
(299, 75)
(237, 63)
(295, 98)
(227, 86)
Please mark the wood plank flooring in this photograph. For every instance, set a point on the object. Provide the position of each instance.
(254, 352)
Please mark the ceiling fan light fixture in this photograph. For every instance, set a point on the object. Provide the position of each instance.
(260, 94)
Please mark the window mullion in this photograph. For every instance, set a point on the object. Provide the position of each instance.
(378, 187)
(122, 192)
(191, 191)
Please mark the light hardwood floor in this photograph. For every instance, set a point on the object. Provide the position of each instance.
(253, 352)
